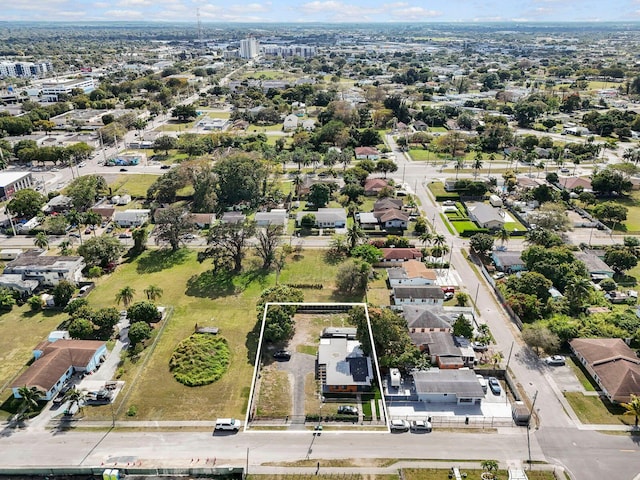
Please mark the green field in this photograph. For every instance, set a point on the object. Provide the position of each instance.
(595, 410)
(134, 185)
(199, 296)
(419, 154)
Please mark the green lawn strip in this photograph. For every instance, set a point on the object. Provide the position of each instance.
(420, 155)
(595, 410)
(447, 224)
(583, 377)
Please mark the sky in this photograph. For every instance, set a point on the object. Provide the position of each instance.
(331, 11)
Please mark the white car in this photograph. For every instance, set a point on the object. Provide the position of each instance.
(555, 360)
(399, 426)
(498, 276)
(420, 426)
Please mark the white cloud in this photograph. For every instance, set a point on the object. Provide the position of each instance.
(343, 12)
(134, 3)
(414, 13)
(122, 14)
(251, 7)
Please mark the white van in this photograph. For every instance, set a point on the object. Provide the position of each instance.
(228, 424)
(483, 382)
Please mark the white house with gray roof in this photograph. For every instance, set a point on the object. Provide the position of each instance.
(448, 386)
(326, 217)
(342, 367)
(486, 216)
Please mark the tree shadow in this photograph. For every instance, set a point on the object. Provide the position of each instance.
(211, 284)
(251, 342)
(331, 257)
(158, 260)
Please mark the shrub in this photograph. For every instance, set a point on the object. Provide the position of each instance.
(132, 411)
(200, 359)
(94, 272)
(35, 303)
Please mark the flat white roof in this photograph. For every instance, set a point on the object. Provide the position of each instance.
(7, 178)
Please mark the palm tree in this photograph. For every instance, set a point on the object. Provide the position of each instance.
(503, 236)
(426, 238)
(74, 395)
(477, 164)
(125, 295)
(92, 218)
(354, 235)
(633, 407)
(75, 219)
(65, 247)
(577, 291)
(492, 158)
(490, 466)
(41, 240)
(29, 403)
(153, 292)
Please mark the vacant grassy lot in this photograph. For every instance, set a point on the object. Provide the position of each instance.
(595, 410)
(274, 396)
(420, 154)
(20, 331)
(199, 296)
(134, 185)
(437, 189)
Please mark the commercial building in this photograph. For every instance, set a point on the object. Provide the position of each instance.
(25, 69)
(51, 90)
(11, 182)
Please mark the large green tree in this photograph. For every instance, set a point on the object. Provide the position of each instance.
(84, 191)
(172, 226)
(227, 243)
(26, 203)
(240, 178)
(101, 251)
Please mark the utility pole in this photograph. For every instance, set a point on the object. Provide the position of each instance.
(535, 395)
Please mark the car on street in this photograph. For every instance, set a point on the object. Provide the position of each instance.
(555, 360)
(347, 410)
(74, 235)
(564, 170)
(479, 347)
(124, 235)
(165, 167)
(124, 170)
(82, 164)
(420, 426)
(282, 355)
(494, 385)
(399, 426)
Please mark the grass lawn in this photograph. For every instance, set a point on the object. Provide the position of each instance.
(437, 189)
(581, 375)
(274, 398)
(464, 225)
(20, 331)
(176, 127)
(597, 411)
(134, 185)
(419, 154)
(198, 296)
(514, 227)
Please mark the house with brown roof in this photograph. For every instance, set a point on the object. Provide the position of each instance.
(387, 204)
(374, 186)
(571, 183)
(411, 272)
(55, 363)
(392, 257)
(613, 365)
(370, 153)
(105, 212)
(392, 218)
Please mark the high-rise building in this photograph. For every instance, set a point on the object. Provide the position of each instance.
(249, 48)
(25, 69)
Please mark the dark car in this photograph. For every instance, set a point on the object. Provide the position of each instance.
(494, 385)
(282, 355)
(124, 235)
(347, 410)
(124, 170)
(165, 167)
(74, 235)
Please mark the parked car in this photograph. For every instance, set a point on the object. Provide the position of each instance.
(479, 347)
(74, 235)
(82, 164)
(347, 410)
(228, 424)
(420, 426)
(165, 167)
(282, 355)
(555, 360)
(124, 170)
(448, 295)
(564, 170)
(494, 385)
(399, 426)
(498, 276)
(124, 235)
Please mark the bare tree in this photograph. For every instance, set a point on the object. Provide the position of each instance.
(268, 242)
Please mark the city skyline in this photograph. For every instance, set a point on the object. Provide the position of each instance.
(330, 11)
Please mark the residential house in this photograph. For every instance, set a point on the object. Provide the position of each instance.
(233, 217)
(571, 183)
(420, 126)
(290, 123)
(450, 184)
(613, 365)
(392, 218)
(410, 273)
(370, 153)
(508, 261)
(387, 204)
(424, 294)
(16, 282)
(448, 386)
(132, 217)
(58, 204)
(426, 318)
(105, 212)
(48, 271)
(596, 267)
(367, 220)
(309, 124)
(202, 220)
(486, 216)
(342, 367)
(55, 363)
(442, 349)
(274, 217)
(374, 186)
(339, 332)
(327, 217)
(395, 256)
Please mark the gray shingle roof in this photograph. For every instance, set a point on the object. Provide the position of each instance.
(462, 383)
